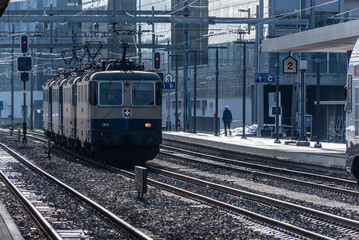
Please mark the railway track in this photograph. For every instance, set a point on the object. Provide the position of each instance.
(326, 220)
(124, 229)
(322, 182)
(281, 227)
(308, 212)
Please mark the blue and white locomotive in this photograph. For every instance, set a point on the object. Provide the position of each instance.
(110, 111)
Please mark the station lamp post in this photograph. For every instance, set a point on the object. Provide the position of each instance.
(216, 73)
(244, 69)
(318, 62)
(195, 89)
(277, 100)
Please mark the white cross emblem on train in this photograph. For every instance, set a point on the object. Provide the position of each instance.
(126, 112)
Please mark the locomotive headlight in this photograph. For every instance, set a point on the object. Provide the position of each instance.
(105, 125)
(148, 125)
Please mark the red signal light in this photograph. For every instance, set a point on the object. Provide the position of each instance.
(156, 60)
(24, 44)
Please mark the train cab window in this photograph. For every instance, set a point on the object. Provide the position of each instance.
(143, 94)
(60, 95)
(110, 94)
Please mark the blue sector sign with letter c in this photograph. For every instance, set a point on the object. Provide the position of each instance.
(264, 78)
(270, 78)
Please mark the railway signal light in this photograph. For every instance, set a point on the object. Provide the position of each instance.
(24, 43)
(274, 110)
(156, 60)
(24, 64)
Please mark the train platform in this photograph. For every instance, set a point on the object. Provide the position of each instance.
(8, 229)
(331, 155)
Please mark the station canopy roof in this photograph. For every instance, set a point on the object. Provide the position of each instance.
(340, 37)
(3, 6)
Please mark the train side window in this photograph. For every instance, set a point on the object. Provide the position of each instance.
(74, 94)
(93, 93)
(80, 94)
(159, 93)
(86, 93)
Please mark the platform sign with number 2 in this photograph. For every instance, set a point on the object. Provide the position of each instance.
(290, 65)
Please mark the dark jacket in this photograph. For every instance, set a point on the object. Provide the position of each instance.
(227, 115)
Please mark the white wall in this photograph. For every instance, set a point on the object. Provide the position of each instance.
(18, 102)
(235, 105)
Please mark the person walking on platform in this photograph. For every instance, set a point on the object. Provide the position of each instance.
(227, 120)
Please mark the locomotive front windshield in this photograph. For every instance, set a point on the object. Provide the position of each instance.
(110, 94)
(143, 94)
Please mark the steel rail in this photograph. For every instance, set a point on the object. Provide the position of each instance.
(252, 215)
(39, 218)
(336, 220)
(272, 176)
(261, 166)
(268, 175)
(118, 222)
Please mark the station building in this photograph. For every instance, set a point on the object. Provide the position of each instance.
(46, 61)
(202, 37)
(261, 99)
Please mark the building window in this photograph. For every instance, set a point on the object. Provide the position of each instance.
(73, 3)
(204, 104)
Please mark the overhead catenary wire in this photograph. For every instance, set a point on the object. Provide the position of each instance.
(229, 31)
